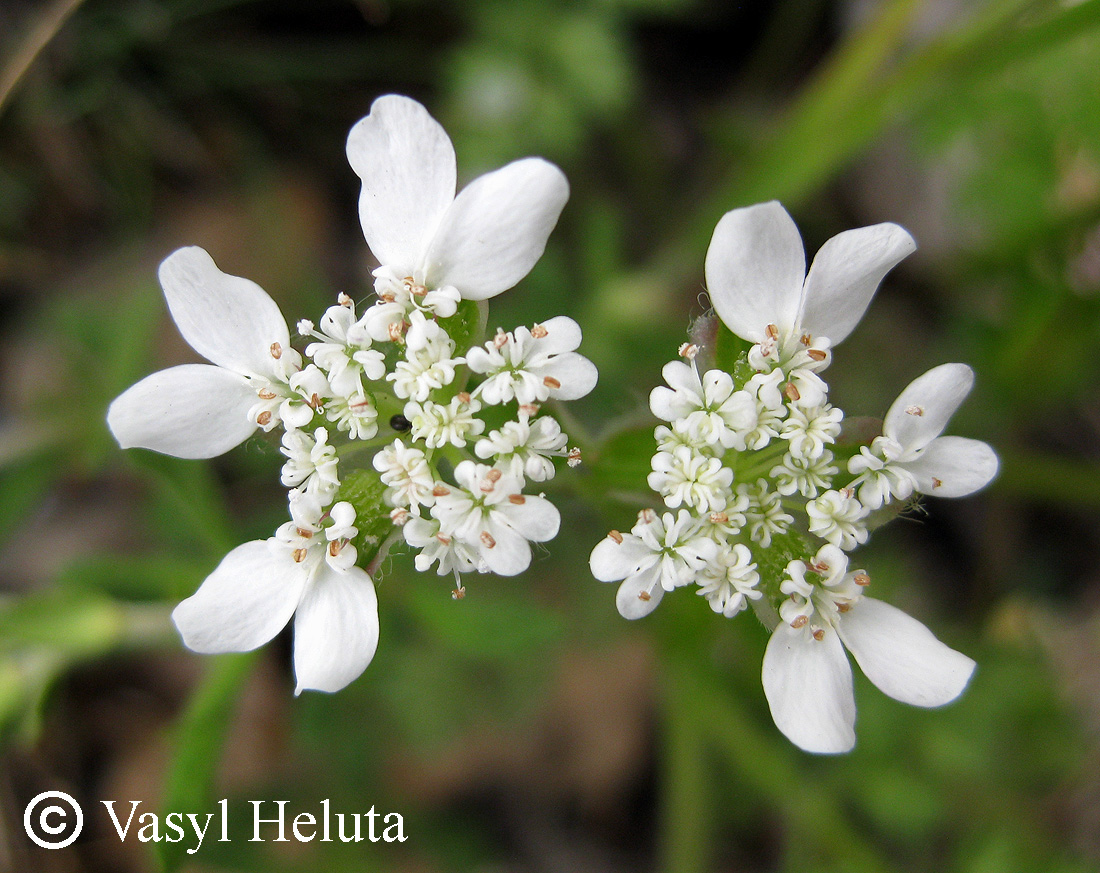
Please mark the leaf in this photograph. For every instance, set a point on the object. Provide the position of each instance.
(363, 489)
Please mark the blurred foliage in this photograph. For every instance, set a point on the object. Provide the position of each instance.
(528, 727)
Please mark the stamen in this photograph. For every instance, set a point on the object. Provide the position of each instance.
(463, 396)
(819, 635)
(445, 540)
(501, 339)
(344, 300)
(538, 331)
(772, 331)
(914, 410)
(458, 593)
(334, 548)
(862, 579)
(517, 499)
(487, 538)
(843, 606)
(800, 621)
(551, 382)
(573, 459)
(806, 339)
(263, 419)
(645, 595)
(440, 491)
(388, 297)
(616, 536)
(688, 351)
(299, 555)
(529, 409)
(719, 518)
(791, 391)
(266, 394)
(817, 354)
(396, 331)
(276, 351)
(647, 516)
(399, 516)
(304, 534)
(936, 483)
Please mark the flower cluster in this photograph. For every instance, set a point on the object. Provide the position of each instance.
(395, 420)
(765, 495)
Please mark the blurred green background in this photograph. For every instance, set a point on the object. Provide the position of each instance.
(528, 727)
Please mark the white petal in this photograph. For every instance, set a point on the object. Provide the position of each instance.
(230, 321)
(190, 411)
(335, 630)
(505, 552)
(901, 656)
(845, 274)
(536, 519)
(628, 598)
(575, 373)
(952, 466)
(923, 409)
(407, 165)
(249, 598)
(612, 560)
(563, 334)
(496, 229)
(754, 269)
(808, 684)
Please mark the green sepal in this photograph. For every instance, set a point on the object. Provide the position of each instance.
(364, 490)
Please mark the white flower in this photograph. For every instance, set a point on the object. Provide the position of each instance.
(260, 585)
(354, 415)
(452, 554)
(428, 364)
(312, 461)
(912, 456)
(344, 352)
(406, 474)
(706, 407)
(764, 515)
(836, 516)
(487, 512)
(203, 410)
(660, 553)
(481, 242)
(756, 277)
(809, 429)
(523, 448)
(686, 478)
(438, 425)
(730, 581)
(533, 365)
(803, 475)
(806, 676)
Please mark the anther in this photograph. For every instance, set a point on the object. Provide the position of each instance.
(819, 635)
(914, 410)
(806, 339)
(529, 409)
(315, 402)
(791, 391)
(862, 579)
(551, 382)
(263, 419)
(688, 351)
(359, 406)
(501, 339)
(800, 621)
(334, 548)
(538, 331)
(487, 538)
(304, 534)
(266, 394)
(616, 536)
(276, 351)
(517, 499)
(719, 518)
(817, 354)
(344, 300)
(463, 396)
(388, 297)
(399, 516)
(440, 491)
(396, 331)
(772, 331)
(842, 606)
(573, 459)
(647, 516)
(645, 595)
(443, 539)
(458, 593)
(936, 483)
(299, 555)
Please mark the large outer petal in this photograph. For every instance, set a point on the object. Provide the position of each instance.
(952, 466)
(230, 321)
(335, 629)
(923, 409)
(627, 599)
(407, 165)
(249, 598)
(190, 411)
(845, 274)
(496, 229)
(574, 372)
(901, 656)
(755, 267)
(535, 519)
(612, 560)
(808, 684)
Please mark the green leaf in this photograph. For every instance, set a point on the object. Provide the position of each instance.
(200, 736)
(364, 490)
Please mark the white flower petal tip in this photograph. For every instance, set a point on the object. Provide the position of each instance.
(243, 604)
(902, 657)
(756, 274)
(335, 630)
(229, 320)
(190, 411)
(808, 684)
